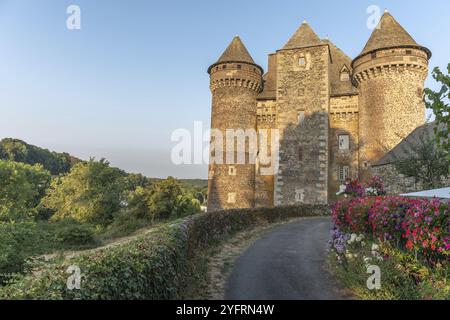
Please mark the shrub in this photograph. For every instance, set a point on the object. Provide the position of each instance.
(157, 265)
(72, 233)
(16, 241)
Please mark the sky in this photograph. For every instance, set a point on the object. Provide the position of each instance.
(136, 70)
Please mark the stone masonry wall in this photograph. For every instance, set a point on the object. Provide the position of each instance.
(344, 120)
(391, 86)
(303, 106)
(234, 89)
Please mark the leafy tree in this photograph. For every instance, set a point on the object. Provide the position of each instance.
(164, 199)
(439, 102)
(21, 189)
(91, 192)
(424, 161)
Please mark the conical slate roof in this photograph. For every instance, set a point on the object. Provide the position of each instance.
(389, 33)
(236, 52)
(303, 37)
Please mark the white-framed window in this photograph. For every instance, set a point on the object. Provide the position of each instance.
(231, 197)
(345, 74)
(300, 117)
(231, 170)
(344, 173)
(344, 142)
(302, 61)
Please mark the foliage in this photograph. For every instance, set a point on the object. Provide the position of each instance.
(375, 187)
(354, 189)
(439, 102)
(419, 226)
(163, 200)
(20, 151)
(408, 239)
(69, 233)
(402, 276)
(92, 192)
(17, 239)
(424, 162)
(157, 265)
(21, 188)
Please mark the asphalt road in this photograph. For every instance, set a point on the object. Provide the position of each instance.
(287, 264)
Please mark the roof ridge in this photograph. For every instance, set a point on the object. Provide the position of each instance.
(303, 37)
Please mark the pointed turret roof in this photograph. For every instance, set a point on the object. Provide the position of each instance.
(303, 37)
(236, 52)
(389, 34)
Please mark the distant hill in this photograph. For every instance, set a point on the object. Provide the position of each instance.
(61, 163)
(20, 151)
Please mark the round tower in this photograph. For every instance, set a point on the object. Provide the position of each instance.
(235, 82)
(390, 74)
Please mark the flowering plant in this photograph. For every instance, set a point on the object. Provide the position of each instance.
(418, 226)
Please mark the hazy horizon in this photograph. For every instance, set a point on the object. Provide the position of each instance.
(134, 73)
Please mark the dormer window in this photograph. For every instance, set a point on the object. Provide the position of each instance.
(345, 74)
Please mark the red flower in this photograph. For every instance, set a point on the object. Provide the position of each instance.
(409, 245)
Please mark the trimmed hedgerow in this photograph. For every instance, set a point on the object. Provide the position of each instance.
(158, 265)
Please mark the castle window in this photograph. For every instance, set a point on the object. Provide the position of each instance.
(345, 76)
(302, 61)
(231, 197)
(224, 66)
(408, 52)
(231, 170)
(301, 117)
(344, 173)
(344, 142)
(374, 55)
(239, 66)
(300, 154)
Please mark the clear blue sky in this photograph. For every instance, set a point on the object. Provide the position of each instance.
(136, 70)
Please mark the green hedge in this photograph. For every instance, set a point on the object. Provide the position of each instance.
(157, 265)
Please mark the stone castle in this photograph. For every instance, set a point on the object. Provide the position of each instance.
(335, 116)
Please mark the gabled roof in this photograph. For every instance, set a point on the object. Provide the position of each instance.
(339, 61)
(404, 150)
(303, 37)
(388, 34)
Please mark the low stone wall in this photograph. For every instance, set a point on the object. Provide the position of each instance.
(158, 265)
(396, 183)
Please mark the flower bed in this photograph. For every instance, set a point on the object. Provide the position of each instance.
(420, 226)
(408, 239)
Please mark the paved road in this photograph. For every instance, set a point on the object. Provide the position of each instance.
(288, 263)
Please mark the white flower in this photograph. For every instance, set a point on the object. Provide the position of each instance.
(360, 237)
(375, 247)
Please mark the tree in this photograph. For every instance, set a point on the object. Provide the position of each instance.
(21, 188)
(439, 102)
(20, 151)
(162, 200)
(424, 161)
(92, 192)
